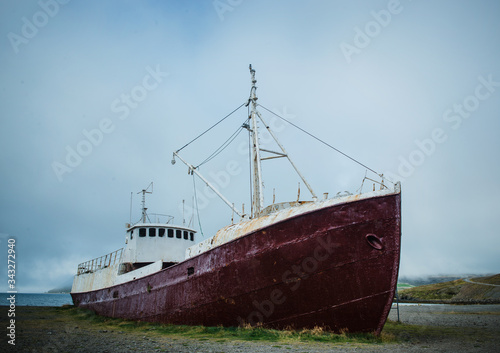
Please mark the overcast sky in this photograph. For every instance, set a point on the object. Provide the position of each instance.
(96, 95)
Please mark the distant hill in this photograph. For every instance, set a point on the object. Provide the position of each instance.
(60, 290)
(420, 281)
(64, 286)
(471, 290)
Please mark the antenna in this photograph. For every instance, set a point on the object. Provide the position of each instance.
(183, 214)
(144, 192)
(131, 207)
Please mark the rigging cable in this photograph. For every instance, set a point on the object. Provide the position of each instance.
(323, 142)
(196, 205)
(222, 147)
(203, 133)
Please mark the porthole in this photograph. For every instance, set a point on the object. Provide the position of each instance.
(374, 241)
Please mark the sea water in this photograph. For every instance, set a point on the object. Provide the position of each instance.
(37, 299)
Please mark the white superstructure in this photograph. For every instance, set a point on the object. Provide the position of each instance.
(150, 247)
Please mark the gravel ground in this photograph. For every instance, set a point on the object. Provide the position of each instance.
(440, 328)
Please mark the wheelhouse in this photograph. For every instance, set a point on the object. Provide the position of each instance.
(151, 242)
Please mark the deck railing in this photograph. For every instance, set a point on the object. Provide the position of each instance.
(100, 262)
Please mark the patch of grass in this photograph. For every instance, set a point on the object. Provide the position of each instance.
(402, 286)
(495, 279)
(436, 291)
(223, 334)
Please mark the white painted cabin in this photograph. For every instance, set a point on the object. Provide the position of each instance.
(150, 242)
(150, 247)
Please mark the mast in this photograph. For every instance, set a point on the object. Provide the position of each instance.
(256, 151)
(258, 186)
(144, 192)
(258, 194)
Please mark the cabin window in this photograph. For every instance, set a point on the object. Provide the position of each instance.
(186, 235)
(170, 233)
(161, 232)
(191, 236)
(131, 234)
(178, 233)
(190, 271)
(152, 232)
(142, 232)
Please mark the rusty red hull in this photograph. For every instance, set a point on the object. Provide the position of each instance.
(336, 267)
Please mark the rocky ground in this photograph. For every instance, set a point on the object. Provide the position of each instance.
(432, 328)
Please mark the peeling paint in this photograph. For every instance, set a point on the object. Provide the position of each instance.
(286, 211)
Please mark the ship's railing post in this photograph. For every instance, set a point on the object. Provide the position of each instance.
(100, 262)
